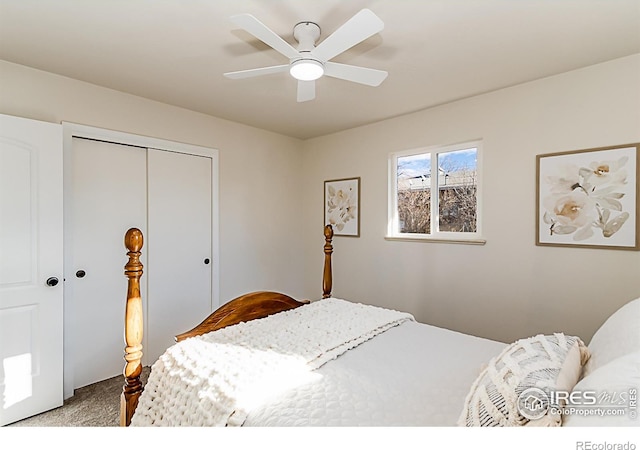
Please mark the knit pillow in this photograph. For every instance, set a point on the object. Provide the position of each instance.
(514, 389)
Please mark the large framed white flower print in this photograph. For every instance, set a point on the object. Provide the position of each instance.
(589, 198)
(342, 206)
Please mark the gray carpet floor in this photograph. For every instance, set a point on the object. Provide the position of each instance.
(95, 405)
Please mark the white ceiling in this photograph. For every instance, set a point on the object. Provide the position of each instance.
(436, 51)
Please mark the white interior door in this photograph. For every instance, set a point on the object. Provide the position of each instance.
(108, 198)
(179, 250)
(31, 319)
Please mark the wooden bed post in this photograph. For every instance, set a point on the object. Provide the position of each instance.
(327, 278)
(247, 307)
(132, 389)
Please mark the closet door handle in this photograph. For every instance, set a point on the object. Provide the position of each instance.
(80, 273)
(52, 281)
(206, 260)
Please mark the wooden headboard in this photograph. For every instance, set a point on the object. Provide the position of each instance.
(254, 305)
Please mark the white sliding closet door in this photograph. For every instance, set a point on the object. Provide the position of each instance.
(168, 195)
(109, 197)
(179, 246)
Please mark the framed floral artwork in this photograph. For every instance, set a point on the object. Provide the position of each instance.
(589, 198)
(342, 206)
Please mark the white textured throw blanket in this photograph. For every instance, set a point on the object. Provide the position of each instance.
(217, 378)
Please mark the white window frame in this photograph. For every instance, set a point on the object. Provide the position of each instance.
(393, 232)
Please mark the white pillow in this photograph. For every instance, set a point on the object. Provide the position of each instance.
(618, 336)
(513, 389)
(613, 386)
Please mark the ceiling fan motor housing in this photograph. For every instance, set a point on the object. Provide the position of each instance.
(307, 67)
(307, 34)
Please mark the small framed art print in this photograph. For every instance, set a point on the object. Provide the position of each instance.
(342, 206)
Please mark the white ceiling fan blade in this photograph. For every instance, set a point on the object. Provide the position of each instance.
(306, 91)
(253, 26)
(240, 74)
(362, 75)
(360, 27)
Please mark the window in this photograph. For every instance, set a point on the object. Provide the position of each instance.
(451, 171)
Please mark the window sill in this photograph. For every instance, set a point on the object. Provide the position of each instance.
(442, 240)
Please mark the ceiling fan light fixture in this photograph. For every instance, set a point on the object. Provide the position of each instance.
(306, 69)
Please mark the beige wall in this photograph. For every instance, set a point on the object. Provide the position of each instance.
(508, 288)
(259, 236)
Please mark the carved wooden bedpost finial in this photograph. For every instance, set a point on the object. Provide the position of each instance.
(327, 279)
(133, 328)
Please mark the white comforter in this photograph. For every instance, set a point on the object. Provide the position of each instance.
(410, 375)
(217, 378)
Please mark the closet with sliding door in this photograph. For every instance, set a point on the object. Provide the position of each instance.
(113, 182)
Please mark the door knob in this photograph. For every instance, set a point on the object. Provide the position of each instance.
(52, 281)
(206, 260)
(80, 273)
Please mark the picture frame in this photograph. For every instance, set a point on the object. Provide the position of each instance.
(342, 206)
(589, 198)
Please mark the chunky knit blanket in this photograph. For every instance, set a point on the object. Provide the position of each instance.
(216, 379)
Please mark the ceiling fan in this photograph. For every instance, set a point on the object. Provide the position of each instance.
(308, 62)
